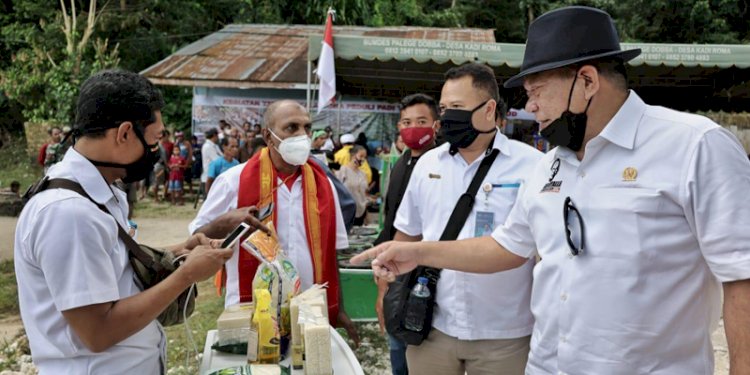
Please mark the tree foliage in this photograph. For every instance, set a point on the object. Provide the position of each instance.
(56, 54)
(41, 74)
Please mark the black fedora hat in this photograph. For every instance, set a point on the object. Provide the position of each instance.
(567, 36)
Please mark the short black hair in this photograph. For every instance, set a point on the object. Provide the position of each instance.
(502, 110)
(355, 149)
(49, 131)
(210, 133)
(111, 97)
(414, 99)
(482, 78)
(612, 68)
(225, 142)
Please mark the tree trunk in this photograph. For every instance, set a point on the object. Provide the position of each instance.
(530, 14)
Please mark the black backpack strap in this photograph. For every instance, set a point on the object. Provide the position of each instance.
(133, 248)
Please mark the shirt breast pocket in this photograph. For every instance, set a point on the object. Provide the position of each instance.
(498, 200)
(619, 220)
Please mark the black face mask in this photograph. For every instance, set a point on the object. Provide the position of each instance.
(456, 127)
(568, 130)
(139, 169)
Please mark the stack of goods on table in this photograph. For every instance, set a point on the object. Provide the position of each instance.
(233, 328)
(311, 335)
(279, 314)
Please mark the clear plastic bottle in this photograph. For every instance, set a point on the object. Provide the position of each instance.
(416, 308)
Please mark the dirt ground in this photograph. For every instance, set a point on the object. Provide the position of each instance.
(165, 231)
(151, 231)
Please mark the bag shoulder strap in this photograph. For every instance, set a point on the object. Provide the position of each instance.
(133, 248)
(462, 210)
(466, 201)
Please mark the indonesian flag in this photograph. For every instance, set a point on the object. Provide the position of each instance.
(326, 71)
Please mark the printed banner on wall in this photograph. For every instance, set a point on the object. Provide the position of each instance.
(376, 119)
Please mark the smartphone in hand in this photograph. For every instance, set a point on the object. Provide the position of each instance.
(265, 212)
(236, 234)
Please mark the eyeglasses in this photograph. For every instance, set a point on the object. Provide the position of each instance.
(569, 207)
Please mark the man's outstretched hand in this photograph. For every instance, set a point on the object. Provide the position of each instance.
(390, 259)
(247, 215)
(223, 225)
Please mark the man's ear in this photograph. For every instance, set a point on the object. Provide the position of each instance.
(490, 110)
(590, 77)
(266, 135)
(122, 132)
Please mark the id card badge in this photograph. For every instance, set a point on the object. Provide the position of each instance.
(484, 223)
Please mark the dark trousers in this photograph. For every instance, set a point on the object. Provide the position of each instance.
(398, 356)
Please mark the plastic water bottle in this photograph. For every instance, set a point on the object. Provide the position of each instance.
(416, 308)
(133, 229)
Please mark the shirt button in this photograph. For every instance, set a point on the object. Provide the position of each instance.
(563, 297)
(563, 339)
(582, 174)
(570, 256)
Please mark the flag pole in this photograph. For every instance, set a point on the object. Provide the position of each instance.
(338, 114)
(315, 97)
(309, 78)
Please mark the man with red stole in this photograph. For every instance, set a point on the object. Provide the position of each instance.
(306, 211)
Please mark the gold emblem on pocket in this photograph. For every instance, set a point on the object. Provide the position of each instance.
(629, 174)
(434, 175)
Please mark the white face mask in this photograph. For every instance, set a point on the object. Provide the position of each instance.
(294, 150)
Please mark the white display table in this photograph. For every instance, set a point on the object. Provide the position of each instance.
(344, 361)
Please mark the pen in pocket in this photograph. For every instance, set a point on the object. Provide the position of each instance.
(512, 185)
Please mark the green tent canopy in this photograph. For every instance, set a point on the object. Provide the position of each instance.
(682, 76)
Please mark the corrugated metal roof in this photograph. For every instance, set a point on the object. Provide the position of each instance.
(273, 55)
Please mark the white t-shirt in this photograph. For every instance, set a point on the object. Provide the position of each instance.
(290, 225)
(328, 145)
(68, 255)
(663, 197)
(209, 152)
(472, 306)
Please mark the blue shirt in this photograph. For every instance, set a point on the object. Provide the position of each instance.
(220, 166)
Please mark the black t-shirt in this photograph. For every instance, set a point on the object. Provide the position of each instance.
(399, 180)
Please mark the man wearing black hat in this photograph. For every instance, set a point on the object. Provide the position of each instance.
(634, 215)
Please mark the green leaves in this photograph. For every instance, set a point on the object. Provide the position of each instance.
(38, 73)
(42, 74)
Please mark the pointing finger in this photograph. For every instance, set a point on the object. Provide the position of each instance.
(367, 255)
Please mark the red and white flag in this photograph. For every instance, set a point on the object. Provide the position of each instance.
(326, 71)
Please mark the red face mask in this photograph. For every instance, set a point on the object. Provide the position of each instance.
(417, 138)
